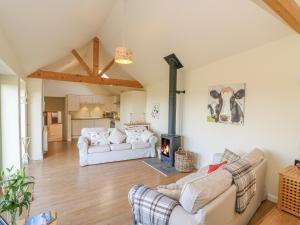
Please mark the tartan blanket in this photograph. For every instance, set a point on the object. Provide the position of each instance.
(150, 207)
(244, 178)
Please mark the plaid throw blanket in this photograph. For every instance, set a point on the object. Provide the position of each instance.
(150, 207)
(245, 179)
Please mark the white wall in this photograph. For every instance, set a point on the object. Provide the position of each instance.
(35, 117)
(10, 121)
(132, 102)
(7, 55)
(272, 106)
(272, 76)
(62, 88)
(159, 94)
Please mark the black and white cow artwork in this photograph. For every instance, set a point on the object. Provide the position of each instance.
(226, 107)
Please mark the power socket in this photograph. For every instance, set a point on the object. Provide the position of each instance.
(297, 161)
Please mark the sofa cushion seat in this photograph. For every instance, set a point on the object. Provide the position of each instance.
(140, 144)
(98, 149)
(199, 192)
(120, 147)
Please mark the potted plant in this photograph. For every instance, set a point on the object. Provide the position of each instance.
(16, 195)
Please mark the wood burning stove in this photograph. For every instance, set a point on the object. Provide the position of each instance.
(171, 142)
(169, 145)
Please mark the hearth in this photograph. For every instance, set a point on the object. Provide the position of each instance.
(171, 142)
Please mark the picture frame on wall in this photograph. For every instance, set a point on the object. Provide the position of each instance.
(226, 104)
(155, 111)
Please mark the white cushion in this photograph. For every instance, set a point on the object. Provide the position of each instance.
(99, 138)
(171, 190)
(85, 132)
(146, 134)
(116, 136)
(140, 144)
(98, 149)
(134, 134)
(199, 192)
(120, 147)
(254, 157)
(202, 172)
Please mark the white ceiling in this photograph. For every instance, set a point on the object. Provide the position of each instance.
(197, 31)
(43, 31)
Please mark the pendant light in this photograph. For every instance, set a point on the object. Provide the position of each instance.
(123, 55)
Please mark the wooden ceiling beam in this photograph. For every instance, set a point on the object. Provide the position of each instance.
(95, 56)
(107, 67)
(82, 62)
(288, 10)
(50, 75)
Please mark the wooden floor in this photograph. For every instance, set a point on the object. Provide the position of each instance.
(88, 195)
(95, 194)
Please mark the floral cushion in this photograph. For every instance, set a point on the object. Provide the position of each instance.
(99, 138)
(117, 136)
(146, 134)
(134, 134)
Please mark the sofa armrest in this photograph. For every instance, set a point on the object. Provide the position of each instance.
(153, 141)
(83, 145)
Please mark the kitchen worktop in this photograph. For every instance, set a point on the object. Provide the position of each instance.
(89, 118)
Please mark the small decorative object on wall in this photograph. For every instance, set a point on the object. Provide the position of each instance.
(155, 111)
(226, 104)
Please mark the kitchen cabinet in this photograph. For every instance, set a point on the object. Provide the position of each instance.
(99, 99)
(76, 127)
(86, 123)
(87, 99)
(73, 102)
(79, 124)
(102, 123)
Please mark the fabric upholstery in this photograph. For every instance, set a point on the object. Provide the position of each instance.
(254, 157)
(221, 209)
(146, 134)
(99, 138)
(134, 134)
(85, 132)
(140, 144)
(171, 190)
(120, 147)
(114, 152)
(199, 192)
(229, 156)
(117, 137)
(98, 149)
(214, 167)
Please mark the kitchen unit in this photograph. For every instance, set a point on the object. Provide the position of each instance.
(79, 123)
(87, 111)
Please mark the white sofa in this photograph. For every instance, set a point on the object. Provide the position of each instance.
(89, 155)
(221, 210)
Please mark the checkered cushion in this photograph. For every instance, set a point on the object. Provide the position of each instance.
(229, 156)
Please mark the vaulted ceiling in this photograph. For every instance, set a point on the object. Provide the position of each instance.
(43, 33)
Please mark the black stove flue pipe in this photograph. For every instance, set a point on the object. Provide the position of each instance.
(174, 65)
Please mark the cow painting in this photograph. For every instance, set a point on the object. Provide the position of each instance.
(226, 104)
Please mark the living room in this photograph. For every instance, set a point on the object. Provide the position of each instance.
(208, 76)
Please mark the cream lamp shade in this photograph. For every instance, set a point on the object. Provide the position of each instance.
(123, 55)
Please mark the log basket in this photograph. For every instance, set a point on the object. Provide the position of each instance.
(184, 161)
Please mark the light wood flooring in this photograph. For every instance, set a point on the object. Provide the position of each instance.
(96, 194)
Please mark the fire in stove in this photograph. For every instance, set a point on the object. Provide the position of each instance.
(165, 150)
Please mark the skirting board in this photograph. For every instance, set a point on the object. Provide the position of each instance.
(272, 198)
